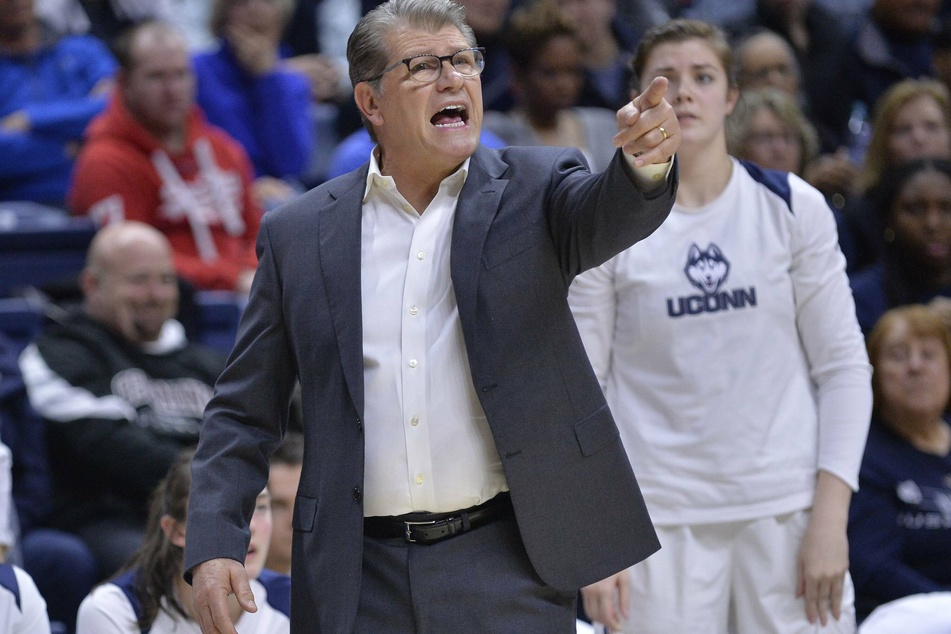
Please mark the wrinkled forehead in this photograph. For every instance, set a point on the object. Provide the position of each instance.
(407, 39)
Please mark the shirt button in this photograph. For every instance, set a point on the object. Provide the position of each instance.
(414, 421)
(421, 255)
(413, 310)
(413, 363)
(419, 479)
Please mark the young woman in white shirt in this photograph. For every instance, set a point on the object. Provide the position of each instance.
(728, 348)
(150, 595)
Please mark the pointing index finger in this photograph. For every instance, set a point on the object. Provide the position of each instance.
(653, 95)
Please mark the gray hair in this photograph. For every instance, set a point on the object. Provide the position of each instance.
(367, 49)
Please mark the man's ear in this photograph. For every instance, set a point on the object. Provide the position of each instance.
(368, 101)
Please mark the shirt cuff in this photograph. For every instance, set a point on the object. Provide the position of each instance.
(649, 176)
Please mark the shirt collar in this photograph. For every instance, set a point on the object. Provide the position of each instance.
(377, 181)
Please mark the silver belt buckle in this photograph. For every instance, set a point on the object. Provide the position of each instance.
(410, 525)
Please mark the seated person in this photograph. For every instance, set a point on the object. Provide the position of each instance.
(912, 120)
(152, 157)
(121, 389)
(608, 44)
(50, 89)
(546, 79)
(22, 608)
(767, 61)
(246, 88)
(41, 551)
(107, 19)
(913, 205)
(899, 534)
(283, 480)
(768, 128)
(149, 594)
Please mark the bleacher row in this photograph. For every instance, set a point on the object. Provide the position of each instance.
(39, 247)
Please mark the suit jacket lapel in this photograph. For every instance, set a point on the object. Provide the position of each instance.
(478, 205)
(340, 238)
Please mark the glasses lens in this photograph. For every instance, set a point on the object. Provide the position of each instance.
(468, 62)
(425, 68)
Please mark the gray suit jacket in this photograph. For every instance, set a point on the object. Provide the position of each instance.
(528, 221)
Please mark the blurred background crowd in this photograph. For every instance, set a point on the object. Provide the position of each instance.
(195, 117)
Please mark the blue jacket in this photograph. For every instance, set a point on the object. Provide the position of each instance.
(899, 531)
(22, 430)
(52, 85)
(267, 115)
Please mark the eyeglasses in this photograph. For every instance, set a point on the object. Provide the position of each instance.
(426, 69)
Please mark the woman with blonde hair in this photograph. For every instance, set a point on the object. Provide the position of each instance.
(911, 120)
(899, 526)
(769, 128)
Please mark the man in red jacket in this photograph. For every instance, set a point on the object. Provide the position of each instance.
(152, 156)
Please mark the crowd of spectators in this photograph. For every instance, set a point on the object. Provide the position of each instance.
(197, 116)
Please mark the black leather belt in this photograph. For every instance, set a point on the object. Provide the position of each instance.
(428, 528)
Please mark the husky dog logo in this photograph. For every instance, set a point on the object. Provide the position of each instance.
(707, 270)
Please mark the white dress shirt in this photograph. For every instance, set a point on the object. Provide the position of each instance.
(428, 445)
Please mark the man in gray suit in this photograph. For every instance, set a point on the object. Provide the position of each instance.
(462, 472)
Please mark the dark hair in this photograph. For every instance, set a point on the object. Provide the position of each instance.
(159, 563)
(290, 451)
(903, 280)
(897, 177)
(531, 28)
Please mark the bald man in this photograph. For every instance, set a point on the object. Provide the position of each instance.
(121, 389)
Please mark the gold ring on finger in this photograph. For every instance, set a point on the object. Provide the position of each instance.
(662, 131)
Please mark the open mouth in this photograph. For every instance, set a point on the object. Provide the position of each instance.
(455, 116)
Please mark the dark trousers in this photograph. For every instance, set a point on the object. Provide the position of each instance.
(480, 582)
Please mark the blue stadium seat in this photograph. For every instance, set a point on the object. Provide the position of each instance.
(20, 320)
(218, 313)
(38, 251)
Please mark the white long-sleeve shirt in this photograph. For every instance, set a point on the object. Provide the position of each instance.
(730, 355)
